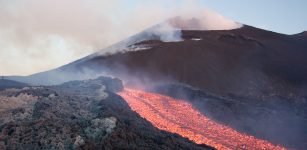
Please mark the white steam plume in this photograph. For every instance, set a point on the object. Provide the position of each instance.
(45, 34)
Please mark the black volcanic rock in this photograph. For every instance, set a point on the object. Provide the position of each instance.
(79, 115)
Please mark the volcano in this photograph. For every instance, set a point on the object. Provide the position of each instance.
(249, 79)
(246, 61)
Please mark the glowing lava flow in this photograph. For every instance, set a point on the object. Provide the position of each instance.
(178, 116)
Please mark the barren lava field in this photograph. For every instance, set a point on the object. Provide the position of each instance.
(178, 116)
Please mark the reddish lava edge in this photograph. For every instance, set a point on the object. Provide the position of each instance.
(178, 116)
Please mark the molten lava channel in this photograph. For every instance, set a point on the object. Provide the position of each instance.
(178, 116)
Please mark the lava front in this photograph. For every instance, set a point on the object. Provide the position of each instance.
(178, 116)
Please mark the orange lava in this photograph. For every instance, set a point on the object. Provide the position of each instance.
(178, 116)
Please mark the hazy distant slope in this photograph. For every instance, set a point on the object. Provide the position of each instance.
(4, 83)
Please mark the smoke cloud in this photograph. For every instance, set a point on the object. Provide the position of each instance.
(165, 32)
(38, 35)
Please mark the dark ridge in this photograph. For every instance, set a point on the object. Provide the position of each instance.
(4, 83)
(304, 33)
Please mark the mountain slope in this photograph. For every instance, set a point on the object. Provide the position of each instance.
(245, 61)
(4, 83)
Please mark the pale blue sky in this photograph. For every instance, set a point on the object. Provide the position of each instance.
(283, 16)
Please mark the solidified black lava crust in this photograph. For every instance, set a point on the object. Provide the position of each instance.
(81, 115)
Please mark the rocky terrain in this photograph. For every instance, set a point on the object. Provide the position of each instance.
(78, 115)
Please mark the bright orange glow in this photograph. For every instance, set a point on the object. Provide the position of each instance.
(178, 116)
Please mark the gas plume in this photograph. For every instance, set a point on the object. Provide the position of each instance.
(45, 34)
